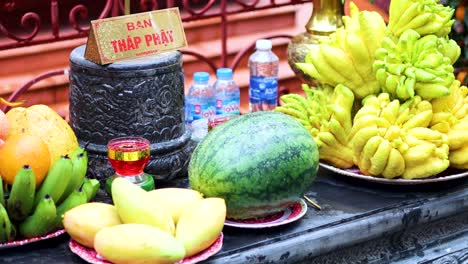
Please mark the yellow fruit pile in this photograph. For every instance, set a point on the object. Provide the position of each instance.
(387, 100)
(159, 226)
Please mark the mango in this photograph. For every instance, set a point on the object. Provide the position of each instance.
(84, 221)
(134, 207)
(201, 224)
(175, 200)
(137, 243)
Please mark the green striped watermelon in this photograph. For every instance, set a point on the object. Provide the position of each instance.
(259, 163)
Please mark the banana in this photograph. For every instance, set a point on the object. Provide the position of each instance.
(79, 159)
(21, 200)
(90, 187)
(56, 180)
(41, 221)
(77, 197)
(2, 194)
(7, 229)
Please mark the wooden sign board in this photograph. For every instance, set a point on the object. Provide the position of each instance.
(133, 36)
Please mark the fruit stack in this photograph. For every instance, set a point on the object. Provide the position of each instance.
(387, 100)
(159, 226)
(35, 188)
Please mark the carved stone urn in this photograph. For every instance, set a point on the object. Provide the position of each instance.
(142, 97)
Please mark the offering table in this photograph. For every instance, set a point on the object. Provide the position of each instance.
(360, 222)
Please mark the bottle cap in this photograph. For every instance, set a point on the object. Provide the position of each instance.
(201, 76)
(263, 44)
(224, 73)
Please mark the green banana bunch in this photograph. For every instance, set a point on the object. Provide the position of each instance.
(423, 16)
(42, 219)
(21, 200)
(413, 65)
(326, 113)
(7, 229)
(388, 139)
(56, 180)
(450, 118)
(77, 197)
(90, 188)
(79, 159)
(347, 58)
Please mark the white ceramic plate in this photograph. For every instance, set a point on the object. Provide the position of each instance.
(450, 174)
(290, 214)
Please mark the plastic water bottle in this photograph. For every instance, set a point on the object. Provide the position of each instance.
(227, 93)
(263, 65)
(200, 100)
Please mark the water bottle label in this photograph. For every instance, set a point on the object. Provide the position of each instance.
(227, 106)
(199, 111)
(263, 90)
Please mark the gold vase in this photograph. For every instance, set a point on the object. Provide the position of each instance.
(325, 19)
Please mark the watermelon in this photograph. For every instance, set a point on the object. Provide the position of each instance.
(259, 163)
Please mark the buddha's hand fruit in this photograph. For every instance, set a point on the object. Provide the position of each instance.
(347, 58)
(392, 140)
(450, 118)
(424, 16)
(326, 114)
(416, 65)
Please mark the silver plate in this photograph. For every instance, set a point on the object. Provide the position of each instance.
(354, 172)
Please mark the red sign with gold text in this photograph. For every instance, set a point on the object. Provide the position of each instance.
(133, 36)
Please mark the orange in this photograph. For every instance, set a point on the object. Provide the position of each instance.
(20, 150)
(4, 125)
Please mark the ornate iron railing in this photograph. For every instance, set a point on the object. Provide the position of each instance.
(77, 26)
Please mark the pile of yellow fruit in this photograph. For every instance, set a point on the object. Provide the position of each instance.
(387, 100)
(159, 226)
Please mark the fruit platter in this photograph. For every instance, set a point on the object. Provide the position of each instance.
(387, 107)
(43, 174)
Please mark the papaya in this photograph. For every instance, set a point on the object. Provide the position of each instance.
(42, 121)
